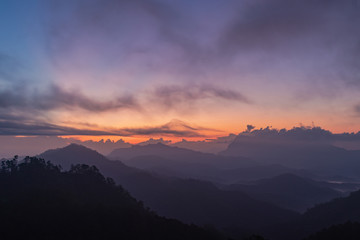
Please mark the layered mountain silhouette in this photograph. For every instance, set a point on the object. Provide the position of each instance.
(39, 201)
(318, 157)
(191, 201)
(289, 191)
(337, 211)
(35, 191)
(320, 218)
(185, 163)
(176, 154)
(179, 162)
(238, 209)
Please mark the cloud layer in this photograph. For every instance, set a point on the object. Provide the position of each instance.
(287, 41)
(57, 98)
(308, 134)
(171, 96)
(175, 128)
(115, 62)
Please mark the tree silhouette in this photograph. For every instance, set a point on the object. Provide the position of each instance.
(40, 201)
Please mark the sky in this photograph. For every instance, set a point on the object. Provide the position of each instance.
(178, 69)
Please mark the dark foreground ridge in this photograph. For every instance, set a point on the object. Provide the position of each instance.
(39, 201)
(348, 231)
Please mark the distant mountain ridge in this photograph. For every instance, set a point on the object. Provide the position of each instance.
(191, 201)
(186, 163)
(157, 149)
(199, 202)
(318, 157)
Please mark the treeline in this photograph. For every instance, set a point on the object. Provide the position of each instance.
(40, 201)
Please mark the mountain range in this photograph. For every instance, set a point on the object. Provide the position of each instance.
(180, 162)
(189, 200)
(255, 207)
(319, 158)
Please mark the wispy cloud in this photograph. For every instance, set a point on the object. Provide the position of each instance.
(171, 96)
(30, 128)
(173, 128)
(36, 128)
(57, 98)
(323, 33)
(265, 46)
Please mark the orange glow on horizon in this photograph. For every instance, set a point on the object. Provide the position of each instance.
(136, 139)
(231, 128)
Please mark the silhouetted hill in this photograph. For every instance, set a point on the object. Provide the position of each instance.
(191, 201)
(337, 211)
(78, 154)
(74, 154)
(39, 201)
(348, 231)
(288, 191)
(202, 203)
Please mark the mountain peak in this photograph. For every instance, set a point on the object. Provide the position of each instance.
(75, 146)
(151, 145)
(72, 154)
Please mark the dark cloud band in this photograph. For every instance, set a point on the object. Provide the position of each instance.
(29, 128)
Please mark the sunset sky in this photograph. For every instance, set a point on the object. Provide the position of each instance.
(194, 69)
